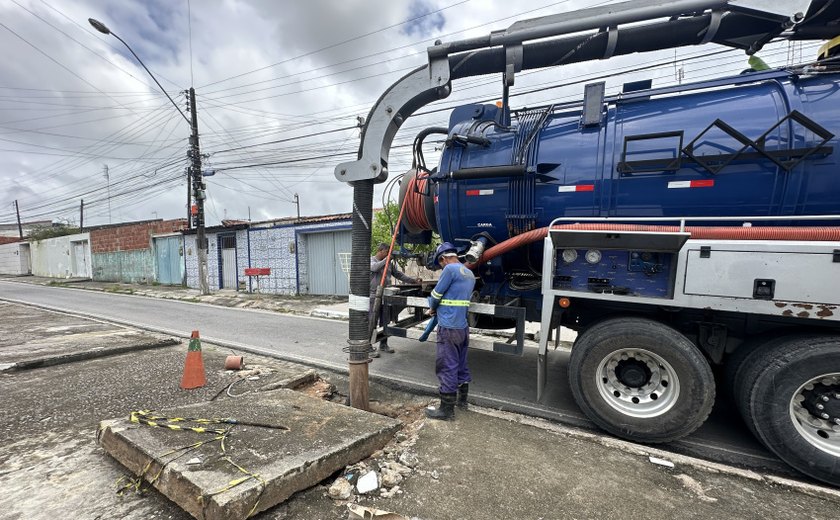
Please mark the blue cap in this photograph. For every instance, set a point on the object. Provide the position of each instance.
(446, 247)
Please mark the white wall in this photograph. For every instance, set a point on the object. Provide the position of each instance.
(56, 257)
(14, 258)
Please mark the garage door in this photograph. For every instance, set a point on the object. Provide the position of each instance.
(324, 264)
(170, 260)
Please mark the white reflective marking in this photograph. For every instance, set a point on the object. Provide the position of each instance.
(360, 303)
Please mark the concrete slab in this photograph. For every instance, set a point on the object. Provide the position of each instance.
(35, 337)
(284, 442)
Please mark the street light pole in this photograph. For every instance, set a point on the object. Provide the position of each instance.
(195, 155)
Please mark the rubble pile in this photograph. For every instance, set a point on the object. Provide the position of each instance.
(381, 475)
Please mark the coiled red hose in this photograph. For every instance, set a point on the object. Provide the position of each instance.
(415, 212)
(820, 234)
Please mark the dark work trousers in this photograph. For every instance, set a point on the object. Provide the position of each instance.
(380, 320)
(451, 363)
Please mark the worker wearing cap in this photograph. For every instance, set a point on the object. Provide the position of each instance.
(450, 302)
(377, 264)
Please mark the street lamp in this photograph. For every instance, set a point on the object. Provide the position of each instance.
(101, 27)
(195, 155)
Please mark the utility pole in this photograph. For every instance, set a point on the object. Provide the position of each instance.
(297, 203)
(108, 181)
(82, 216)
(17, 211)
(198, 194)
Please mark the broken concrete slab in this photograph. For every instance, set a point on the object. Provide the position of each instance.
(283, 442)
(43, 338)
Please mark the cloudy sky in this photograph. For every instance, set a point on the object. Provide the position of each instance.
(279, 86)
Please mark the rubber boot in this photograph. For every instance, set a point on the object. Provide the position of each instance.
(383, 347)
(446, 410)
(463, 392)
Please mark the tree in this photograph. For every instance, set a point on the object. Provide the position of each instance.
(43, 232)
(383, 222)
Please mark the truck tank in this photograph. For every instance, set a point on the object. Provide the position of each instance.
(758, 144)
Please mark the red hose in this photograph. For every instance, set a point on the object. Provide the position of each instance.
(820, 234)
(415, 212)
(386, 269)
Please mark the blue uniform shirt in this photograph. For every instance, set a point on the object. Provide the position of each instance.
(451, 296)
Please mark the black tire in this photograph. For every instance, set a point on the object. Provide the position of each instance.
(734, 363)
(692, 392)
(760, 354)
(788, 366)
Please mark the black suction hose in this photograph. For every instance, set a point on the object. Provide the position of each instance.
(359, 342)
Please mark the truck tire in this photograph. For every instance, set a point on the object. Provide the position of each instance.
(641, 380)
(759, 355)
(736, 361)
(794, 405)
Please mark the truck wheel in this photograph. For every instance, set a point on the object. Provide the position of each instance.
(736, 361)
(794, 405)
(742, 371)
(641, 380)
(743, 377)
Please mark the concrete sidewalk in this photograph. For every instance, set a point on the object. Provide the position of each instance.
(485, 464)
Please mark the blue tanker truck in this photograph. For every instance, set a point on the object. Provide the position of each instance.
(676, 229)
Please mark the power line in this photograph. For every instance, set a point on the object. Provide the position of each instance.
(57, 62)
(81, 44)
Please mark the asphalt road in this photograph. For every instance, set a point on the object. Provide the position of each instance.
(500, 381)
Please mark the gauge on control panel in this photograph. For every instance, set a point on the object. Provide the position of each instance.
(570, 255)
(593, 256)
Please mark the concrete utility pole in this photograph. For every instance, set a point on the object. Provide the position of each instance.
(297, 203)
(82, 215)
(198, 195)
(17, 211)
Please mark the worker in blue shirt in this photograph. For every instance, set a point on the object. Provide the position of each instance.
(450, 302)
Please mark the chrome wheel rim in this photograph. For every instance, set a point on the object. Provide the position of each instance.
(815, 412)
(637, 382)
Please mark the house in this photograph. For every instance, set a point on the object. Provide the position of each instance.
(66, 256)
(226, 256)
(305, 255)
(131, 252)
(138, 252)
(14, 257)
(302, 255)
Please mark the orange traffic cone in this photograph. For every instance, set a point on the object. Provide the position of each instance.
(194, 367)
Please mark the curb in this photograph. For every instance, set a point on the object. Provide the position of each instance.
(84, 356)
(330, 315)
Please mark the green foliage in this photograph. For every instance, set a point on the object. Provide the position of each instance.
(42, 233)
(382, 231)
